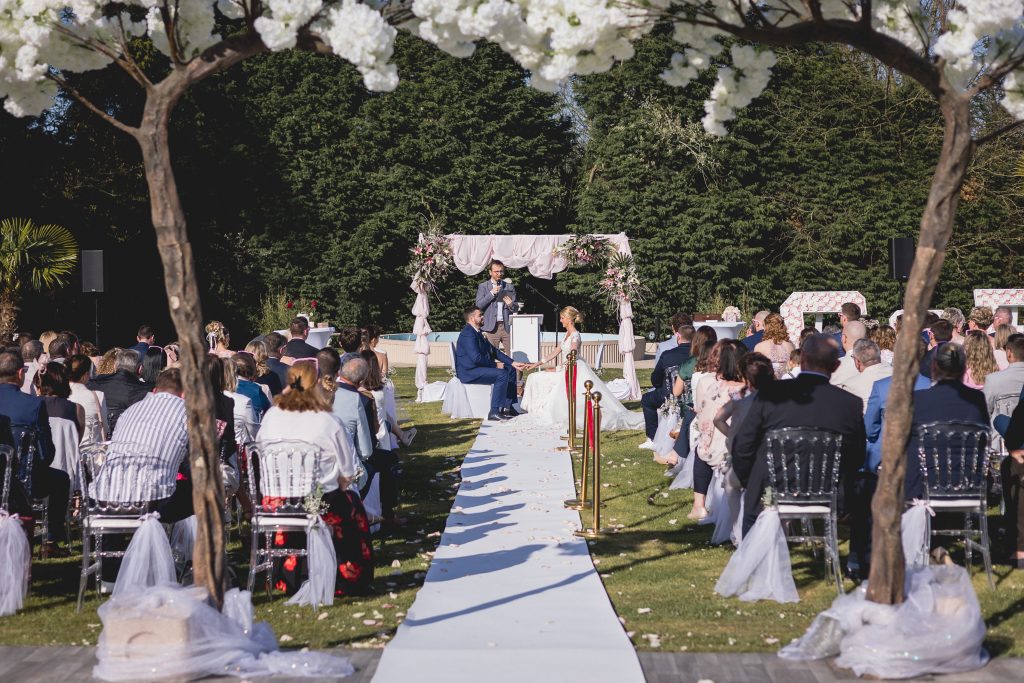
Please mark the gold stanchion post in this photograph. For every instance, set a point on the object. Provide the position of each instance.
(581, 502)
(596, 531)
(570, 378)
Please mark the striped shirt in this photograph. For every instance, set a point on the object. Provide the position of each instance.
(157, 423)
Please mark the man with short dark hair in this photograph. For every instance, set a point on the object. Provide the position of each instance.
(664, 371)
(496, 299)
(350, 339)
(808, 400)
(124, 387)
(144, 338)
(948, 400)
(28, 417)
(848, 312)
(677, 321)
(477, 361)
(297, 346)
(275, 342)
(939, 332)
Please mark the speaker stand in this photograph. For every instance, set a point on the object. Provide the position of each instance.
(96, 319)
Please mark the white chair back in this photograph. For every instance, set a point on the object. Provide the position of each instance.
(64, 433)
(125, 477)
(288, 472)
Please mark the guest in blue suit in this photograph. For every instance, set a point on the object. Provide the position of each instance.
(947, 401)
(477, 362)
(28, 414)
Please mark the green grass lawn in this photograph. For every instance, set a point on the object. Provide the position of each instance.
(659, 570)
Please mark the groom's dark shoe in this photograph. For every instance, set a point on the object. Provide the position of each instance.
(497, 417)
(510, 412)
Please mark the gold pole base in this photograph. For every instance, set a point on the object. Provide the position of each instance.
(566, 449)
(591, 533)
(577, 504)
(564, 437)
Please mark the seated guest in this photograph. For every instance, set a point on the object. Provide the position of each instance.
(371, 338)
(775, 344)
(297, 346)
(275, 343)
(664, 371)
(885, 337)
(948, 400)
(868, 359)
(247, 422)
(92, 352)
(352, 408)
(847, 369)
(956, 318)
(144, 338)
(756, 331)
(158, 424)
(793, 366)
(27, 415)
(677, 321)
(874, 414)
(351, 340)
(1003, 315)
(154, 361)
(981, 359)
(32, 356)
(53, 387)
(264, 375)
(848, 312)
(374, 384)
(980, 318)
(938, 332)
(328, 365)
(245, 371)
(1012, 470)
(123, 388)
(227, 436)
(809, 400)
(385, 459)
(93, 403)
(1002, 335)
(301, 413)
(219, 339)
(478, 362)
(107, 364)
(58, 351)
(1010, 381)
(45, 338)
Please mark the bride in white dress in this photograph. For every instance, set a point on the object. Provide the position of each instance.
(544, 397)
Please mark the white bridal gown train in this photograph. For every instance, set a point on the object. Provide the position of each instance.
(545, 399)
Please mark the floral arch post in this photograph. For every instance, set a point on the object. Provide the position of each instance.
(435, 254)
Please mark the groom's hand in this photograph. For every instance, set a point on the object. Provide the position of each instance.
(498, 364)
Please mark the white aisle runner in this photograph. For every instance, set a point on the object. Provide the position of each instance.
(511, 594)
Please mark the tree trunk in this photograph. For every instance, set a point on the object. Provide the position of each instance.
(885, 584)
(8, 314)
(208, 561)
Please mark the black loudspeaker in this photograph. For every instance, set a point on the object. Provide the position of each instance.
(92, 270)
(901, 257)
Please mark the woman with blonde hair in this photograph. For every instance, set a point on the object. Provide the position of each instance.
(219, 339)
(981, 360)
(775, 344)
(546, 395)
(999, 340)
(303, 411)
(885, 337)
(106, 366)
(264, 375)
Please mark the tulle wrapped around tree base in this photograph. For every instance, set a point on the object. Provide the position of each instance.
(15, 556)
(937, 630)
(760, 567)
(172, 633)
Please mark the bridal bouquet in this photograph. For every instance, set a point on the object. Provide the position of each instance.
(431, 258)
(620, 281)
(583, 250)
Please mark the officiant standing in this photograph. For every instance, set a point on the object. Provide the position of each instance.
(497, 299)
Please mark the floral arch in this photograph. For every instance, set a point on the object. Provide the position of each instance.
(436, 254)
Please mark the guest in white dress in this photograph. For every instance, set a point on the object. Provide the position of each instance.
(94, 403)
(545, 394)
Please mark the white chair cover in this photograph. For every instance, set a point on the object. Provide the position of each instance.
(760, 568)
(372, 505)
(715, 500)
(915, 532)
(938, 629)
(215, 644)
(65, 448)
(729, 524)
(435, 391)
(663, 443)
(183, 539)
(684, 479)
(148, 560)
(318, 589)
(15, 559)
(466, 400)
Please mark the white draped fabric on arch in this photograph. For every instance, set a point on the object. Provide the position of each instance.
(536, 253)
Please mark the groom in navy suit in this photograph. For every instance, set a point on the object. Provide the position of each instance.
(477, 362)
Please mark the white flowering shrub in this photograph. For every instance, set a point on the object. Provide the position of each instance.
(554, 39)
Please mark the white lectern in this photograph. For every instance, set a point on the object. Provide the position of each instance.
(525, 335)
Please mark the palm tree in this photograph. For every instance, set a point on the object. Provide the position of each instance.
(39, 256)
